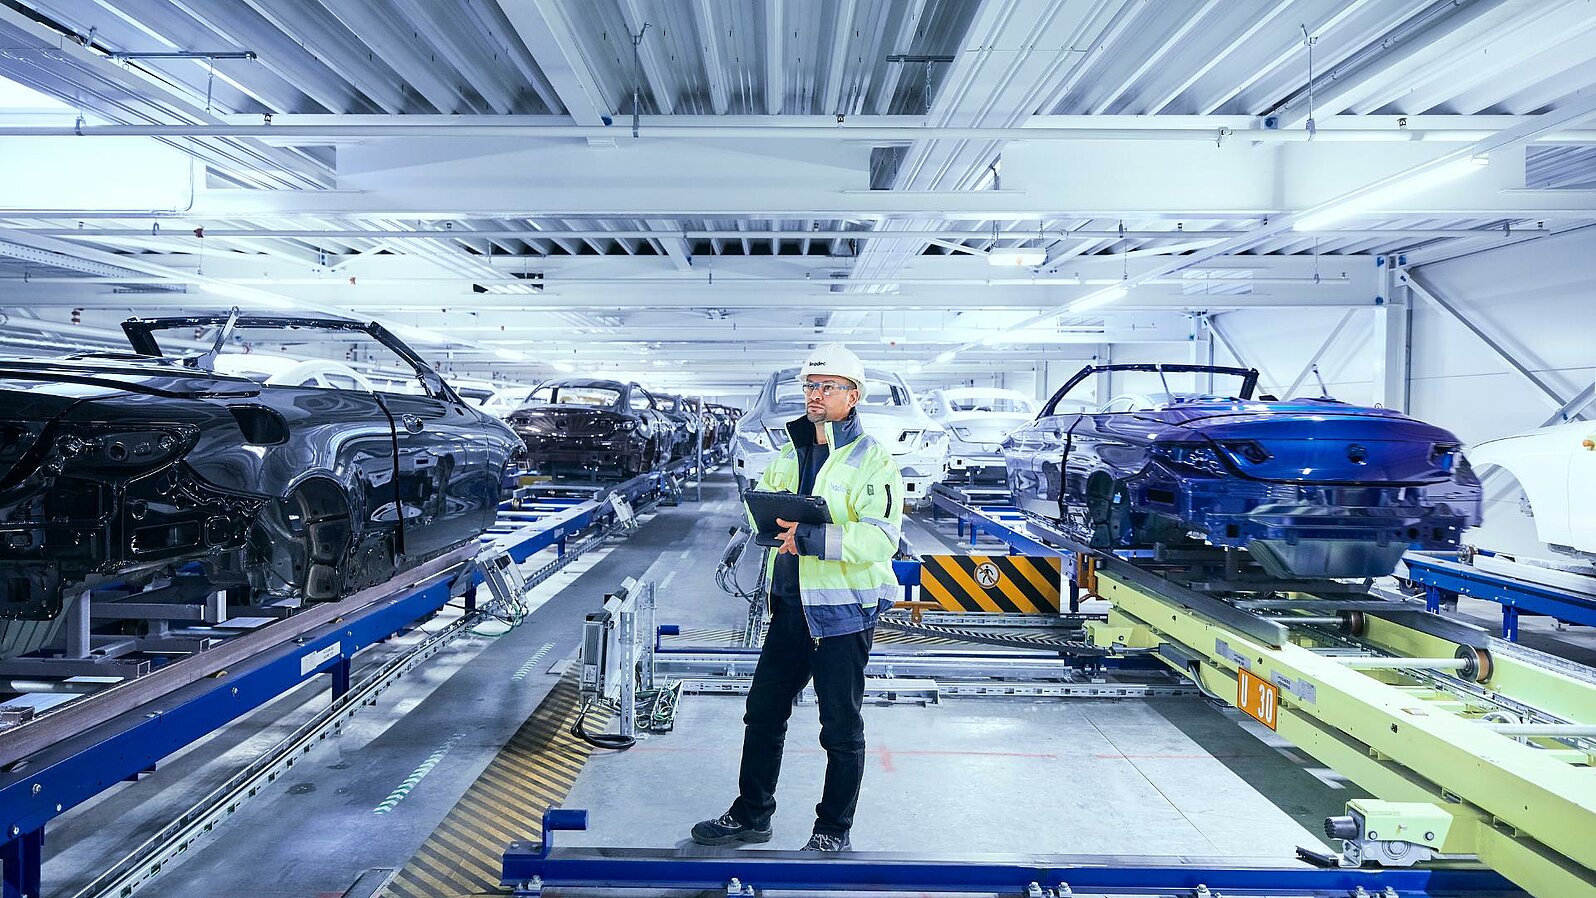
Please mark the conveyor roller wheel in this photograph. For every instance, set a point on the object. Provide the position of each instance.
(1478, 666)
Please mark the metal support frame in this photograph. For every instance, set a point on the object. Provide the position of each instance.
(617, 656)
(1444, 579)
(1393, 339)
(529, 867)
(1411, 733)
(1568, 408)
(1324, 347)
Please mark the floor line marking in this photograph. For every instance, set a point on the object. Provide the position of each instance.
(416, 776)
(526, 668)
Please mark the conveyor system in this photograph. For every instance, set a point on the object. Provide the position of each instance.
(67, 755)
(1478, 752)
(1518, 587)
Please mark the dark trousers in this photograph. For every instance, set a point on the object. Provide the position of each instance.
(786, 663)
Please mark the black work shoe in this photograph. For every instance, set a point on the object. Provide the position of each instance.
(726, 829)
(823, 842)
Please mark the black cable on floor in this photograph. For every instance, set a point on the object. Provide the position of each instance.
(611, 741)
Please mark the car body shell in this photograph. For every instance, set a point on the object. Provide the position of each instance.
(977, 419)
(1556, 469)
(579, 426)
(1310, 487)
(685, 421)
(119, 466)
(889, 413)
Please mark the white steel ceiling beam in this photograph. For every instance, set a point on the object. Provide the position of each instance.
(656, 76)
(775, 36)
(544, 29)
(322, 35)
(709, 40)
(444, 28)
(55, 65)
(913, 13)
(383, 33)
(841, 39)
(662, 229)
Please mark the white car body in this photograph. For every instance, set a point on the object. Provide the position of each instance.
(977, 419)
(282, 370)
(889, 413)
(1556, 468)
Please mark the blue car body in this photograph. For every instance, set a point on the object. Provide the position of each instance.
(1312, 488)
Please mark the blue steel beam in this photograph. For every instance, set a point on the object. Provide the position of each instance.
(41, 787)
(530, 864)
(1515, 596)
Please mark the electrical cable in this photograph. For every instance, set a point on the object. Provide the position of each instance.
(611, 741)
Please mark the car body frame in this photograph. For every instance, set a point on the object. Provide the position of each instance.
(122, 466)
(593, 427)
(977, 419)
(1312, 488)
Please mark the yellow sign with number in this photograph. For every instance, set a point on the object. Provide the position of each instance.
(1258, 697)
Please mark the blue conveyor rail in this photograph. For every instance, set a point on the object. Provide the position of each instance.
(40, 787)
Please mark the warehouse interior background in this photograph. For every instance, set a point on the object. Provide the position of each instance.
(1389, 201)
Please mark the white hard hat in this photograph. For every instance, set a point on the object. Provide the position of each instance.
(837, 360)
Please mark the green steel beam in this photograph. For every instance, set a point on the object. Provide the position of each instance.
(1525, 811)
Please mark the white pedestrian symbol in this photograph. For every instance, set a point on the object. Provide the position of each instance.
(987, 574)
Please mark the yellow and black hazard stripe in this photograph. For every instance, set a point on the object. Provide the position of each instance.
(1000, 584)
(533, 772)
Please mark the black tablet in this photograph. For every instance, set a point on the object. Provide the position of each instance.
(767, 506)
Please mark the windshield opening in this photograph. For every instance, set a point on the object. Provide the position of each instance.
(598, 397)
(991, 403)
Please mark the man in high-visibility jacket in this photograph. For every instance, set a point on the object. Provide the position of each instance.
(828, 585)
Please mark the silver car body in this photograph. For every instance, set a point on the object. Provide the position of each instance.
(889, 413)
(977, 419)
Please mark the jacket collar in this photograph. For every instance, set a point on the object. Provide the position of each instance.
(838, 433)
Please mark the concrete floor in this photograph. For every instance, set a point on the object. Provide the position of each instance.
(1155, 777)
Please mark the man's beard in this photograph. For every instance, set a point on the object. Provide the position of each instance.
(815, 415)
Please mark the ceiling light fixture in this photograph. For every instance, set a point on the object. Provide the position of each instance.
(558, 365)
(1451, 171)
(1021, 257)
(946, 357)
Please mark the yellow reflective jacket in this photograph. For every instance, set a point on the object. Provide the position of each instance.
(851, 581)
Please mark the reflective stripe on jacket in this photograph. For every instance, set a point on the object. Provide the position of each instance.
(851, 580)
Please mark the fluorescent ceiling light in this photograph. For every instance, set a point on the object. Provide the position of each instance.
(510, 355)
(1016, 258)
(995, 339)
(1419, 183)
(946, 357)
(916, 367)
(558, 365)
(1100, 298)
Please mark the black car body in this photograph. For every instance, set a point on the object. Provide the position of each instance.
(582, 426)
(120, 466)
(684, 418)
(1312, 488)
